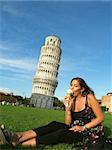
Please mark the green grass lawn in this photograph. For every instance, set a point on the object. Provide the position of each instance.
(22, 118)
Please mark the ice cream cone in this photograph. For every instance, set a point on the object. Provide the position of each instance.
(68, 95)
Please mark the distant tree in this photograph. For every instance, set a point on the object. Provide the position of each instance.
(19, 99)
(58, 103)
(26, 101)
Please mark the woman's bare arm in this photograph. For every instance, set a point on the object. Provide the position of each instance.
(68, 116)
(93, 103)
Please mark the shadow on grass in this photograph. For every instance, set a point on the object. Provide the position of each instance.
(6, 147)
(43, 147)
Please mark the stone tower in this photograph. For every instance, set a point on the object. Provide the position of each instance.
(45, 80)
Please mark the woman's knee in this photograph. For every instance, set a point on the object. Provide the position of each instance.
(53, 122)
(31, 142)
(27, 135)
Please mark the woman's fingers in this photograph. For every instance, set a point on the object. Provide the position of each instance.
(76, 128)
(71, 128)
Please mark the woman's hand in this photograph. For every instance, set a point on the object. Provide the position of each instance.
(77, 128)
(68, 103)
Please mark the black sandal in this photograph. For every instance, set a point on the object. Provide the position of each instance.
(7, 136)
(2, 137)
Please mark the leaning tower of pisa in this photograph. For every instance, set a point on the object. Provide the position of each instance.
(45, 80)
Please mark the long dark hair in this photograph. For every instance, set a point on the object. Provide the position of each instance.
(83, 84)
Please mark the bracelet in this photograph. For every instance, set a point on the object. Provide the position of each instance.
(85, 128)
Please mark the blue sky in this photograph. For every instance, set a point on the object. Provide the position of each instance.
(84, 28)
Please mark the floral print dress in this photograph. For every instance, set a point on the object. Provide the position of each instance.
(91, 136)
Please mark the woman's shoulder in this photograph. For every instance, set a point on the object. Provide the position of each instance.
(91, 99)
(90, 96)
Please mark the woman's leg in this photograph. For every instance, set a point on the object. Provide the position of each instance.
(60, 136)
(23, 136)
(51, 127)
(31, 142)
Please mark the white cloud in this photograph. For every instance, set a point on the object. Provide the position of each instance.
(3, 47)
(16, 77)
(17, 69)
(21, 68)
(4, 89)
(60, 98)
(21, 64)
(6, 46)
(11, 8)
(7, 90)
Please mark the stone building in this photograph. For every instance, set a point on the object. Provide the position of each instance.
(107, 102)
(45, 80)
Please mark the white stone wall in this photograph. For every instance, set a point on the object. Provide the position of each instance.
(45, 80)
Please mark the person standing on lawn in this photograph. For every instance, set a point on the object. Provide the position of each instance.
(83, 117)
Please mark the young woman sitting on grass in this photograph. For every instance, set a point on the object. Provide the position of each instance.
(83, 117)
